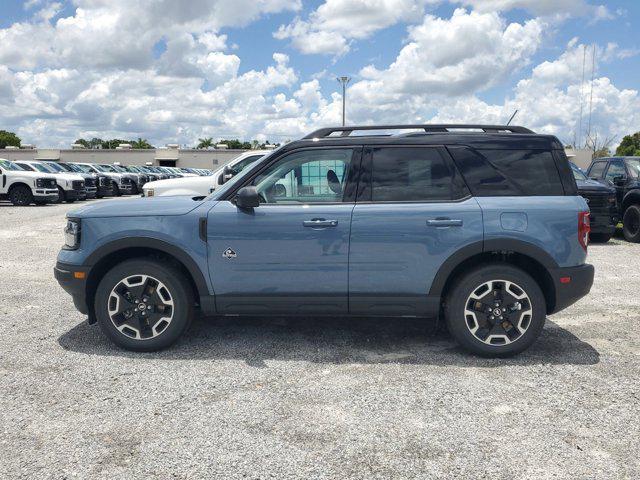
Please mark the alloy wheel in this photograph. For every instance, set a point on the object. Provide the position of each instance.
(140, 307)
(498, 312)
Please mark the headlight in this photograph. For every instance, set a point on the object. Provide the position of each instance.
(72, 234)
(149, 192)
(40, 183)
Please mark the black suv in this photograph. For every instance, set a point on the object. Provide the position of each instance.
(623, 174)
(602, 205)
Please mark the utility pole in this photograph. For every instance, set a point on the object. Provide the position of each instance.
(344, 82)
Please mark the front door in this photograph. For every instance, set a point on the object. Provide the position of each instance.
(413, 212)
(290, 254)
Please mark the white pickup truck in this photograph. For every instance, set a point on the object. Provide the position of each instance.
(24, 188)
(198, 186)
(70, 185)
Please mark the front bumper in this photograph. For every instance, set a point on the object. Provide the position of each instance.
(75, 194)
(571, 284)
(67, 276)
(92, 192)
(46, 195)
(126, 188)
(105, 191)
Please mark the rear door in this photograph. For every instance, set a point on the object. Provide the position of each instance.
(412, 213)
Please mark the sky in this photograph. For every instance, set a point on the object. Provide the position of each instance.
(174, 71)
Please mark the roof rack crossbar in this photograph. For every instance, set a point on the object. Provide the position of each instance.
(428, 128)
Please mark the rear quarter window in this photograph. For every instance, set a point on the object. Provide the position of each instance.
(509, 172)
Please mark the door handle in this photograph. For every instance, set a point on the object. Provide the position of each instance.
(444, 222)
(320, 223)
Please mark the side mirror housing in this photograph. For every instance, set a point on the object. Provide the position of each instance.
(619, 180)
(247, 197)
(227, 173)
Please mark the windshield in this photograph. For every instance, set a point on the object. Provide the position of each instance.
(42, 168)
(65, 167)
(106, 168)
(7, 165)
(85, 168)
(120, 169)
(55, 167)
(634, 167)
(578, 174)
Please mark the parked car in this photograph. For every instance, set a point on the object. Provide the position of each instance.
(622, 173)
(485, 228)
(121, 184)
(602, 205)
(149, 176)
(103, 182)
(90, 181)
(196, 186)
(70, 185)
(24, 187)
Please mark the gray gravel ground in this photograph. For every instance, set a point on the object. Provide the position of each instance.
(304, 398)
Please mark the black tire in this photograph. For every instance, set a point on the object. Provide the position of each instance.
(459, 324)
(600, 237)
(21, 196)
(116, 190)
(631, 224)
(178, 288)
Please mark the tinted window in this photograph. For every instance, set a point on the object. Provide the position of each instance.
(616, 169)
(634, 167)
(531, 172)
(309, 176)
(597, 169)
(411, 174)
(578, 174)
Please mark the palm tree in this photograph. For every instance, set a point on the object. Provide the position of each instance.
(205, 143)
(141, 143)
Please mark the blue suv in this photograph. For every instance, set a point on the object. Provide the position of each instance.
(479, 225)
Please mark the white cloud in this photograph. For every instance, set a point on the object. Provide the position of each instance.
(335, 23)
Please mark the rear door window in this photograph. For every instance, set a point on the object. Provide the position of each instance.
(413, 174)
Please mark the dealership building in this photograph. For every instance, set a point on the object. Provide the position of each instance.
(170, 156)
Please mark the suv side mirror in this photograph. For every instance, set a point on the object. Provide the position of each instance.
(227, 173)
(619, 180)
(247, 197)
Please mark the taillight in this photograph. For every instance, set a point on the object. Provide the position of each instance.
(584, 227)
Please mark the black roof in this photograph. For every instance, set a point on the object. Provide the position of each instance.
(483, 137)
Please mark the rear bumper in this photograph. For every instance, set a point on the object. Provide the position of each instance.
(65, 274)
(571, 284)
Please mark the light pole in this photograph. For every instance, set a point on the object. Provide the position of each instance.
(344, 81)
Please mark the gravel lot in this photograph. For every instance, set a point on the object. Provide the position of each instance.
(310, 398)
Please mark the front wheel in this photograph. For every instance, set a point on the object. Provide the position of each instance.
(631, 224)
(144, 305)
(495, 310)
(116, 190)
(21, 196)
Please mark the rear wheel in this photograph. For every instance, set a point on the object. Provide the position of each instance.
(600, 237)
(144, 305)
(495, 310)
(631, 224)
(21, 195)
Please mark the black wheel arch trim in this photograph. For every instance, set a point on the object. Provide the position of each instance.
(509, 245)
(155, 244)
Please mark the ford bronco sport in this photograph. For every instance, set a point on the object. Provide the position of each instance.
(479, 225)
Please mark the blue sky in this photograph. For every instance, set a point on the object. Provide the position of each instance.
(55, 56)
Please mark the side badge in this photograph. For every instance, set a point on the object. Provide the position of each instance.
(228, 253)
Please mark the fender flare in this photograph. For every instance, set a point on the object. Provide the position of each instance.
(493, 245)
(156, 244)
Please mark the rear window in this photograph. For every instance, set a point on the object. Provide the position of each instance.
(509, 172)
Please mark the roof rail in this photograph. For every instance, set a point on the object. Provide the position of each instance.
(428, 128)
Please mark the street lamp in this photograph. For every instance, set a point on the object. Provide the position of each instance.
(344, 81)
